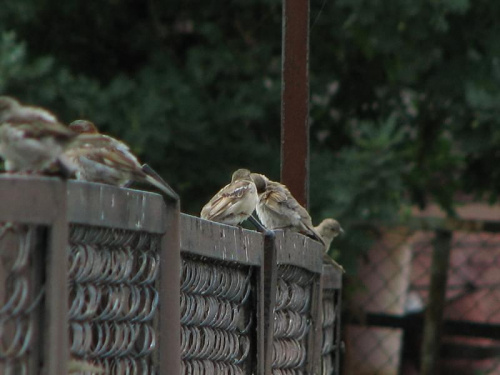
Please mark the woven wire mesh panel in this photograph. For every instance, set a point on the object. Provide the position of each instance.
(382, 289)
(114, 298)
(330, 345)
(472, 294)
(292, 320)
(20, 292)
(217, 322)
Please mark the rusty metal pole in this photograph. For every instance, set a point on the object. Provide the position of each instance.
(437, 296)
(295, 99)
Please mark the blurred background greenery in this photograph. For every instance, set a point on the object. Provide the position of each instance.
(405, 94)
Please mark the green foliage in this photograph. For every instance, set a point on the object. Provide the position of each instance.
(404, 94)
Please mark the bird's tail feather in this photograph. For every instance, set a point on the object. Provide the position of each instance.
(328, 260)
(311, 232)
(154, 179)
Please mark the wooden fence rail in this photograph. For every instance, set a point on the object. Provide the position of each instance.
(121, 279)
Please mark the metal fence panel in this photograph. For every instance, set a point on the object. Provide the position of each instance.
(152, 292)
(110, 263)
(221, 299)
(115, 316)
(297, 319)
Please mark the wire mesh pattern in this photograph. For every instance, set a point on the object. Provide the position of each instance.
(385, 281)
(292, 320)
(397, 279)
(20, 294)
(114, 298)
(216, 318)
(473, 290)
(330, 344)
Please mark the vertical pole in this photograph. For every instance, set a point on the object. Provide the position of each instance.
(295, 99)
(338, 326)
(56, 340)
(437, 293)
(270, 281)
(316, 334)
(170, 281)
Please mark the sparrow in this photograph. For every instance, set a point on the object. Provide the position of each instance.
(235, 202)
(328, 229)
(79, 365)
(31, 138)
(278, 209)
(101, 158)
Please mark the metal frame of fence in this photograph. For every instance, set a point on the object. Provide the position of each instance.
(58, 206)
(331, 300)
(212, 251)
(125, 258)
(297, 305)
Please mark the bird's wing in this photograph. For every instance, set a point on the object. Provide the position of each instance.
(99, 140)
(224, 202)
(108, 151)
(41, 129)
(274, 198)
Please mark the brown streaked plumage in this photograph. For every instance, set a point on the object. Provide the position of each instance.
(31, 138)
(235, 202)
(101, 158)
(278, 209)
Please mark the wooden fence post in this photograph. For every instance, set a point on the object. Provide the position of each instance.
(431, 343)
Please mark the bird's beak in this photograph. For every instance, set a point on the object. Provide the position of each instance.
(341, 231)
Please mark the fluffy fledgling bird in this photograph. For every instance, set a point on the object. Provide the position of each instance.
(328, 229)
(235, 202)
(278, 209)
(101, 158)
(31, 138)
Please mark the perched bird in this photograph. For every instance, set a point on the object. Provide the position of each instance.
(233, 203)
(79, 365)
(31, 138)
(101, 158)
(328, 229)
(278, 209)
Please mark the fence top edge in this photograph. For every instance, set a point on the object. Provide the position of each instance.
(30, 199)
(113, 207)
(298, 250)
(221, 242)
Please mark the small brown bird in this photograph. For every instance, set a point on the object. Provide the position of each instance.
(31, 138)
(278, 209)
(101, 158)
(328, 229)
(235, 202)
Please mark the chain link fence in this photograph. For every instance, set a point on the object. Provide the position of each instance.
(389, 311)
